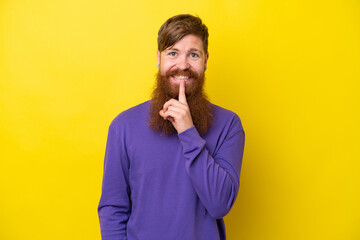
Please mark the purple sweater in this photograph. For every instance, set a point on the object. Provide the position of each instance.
(169, 187)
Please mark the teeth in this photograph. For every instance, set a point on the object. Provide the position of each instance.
(181, 77)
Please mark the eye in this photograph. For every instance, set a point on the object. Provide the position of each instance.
(194, 55)
(172, 54)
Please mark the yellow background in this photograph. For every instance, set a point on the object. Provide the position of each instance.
(290, 69)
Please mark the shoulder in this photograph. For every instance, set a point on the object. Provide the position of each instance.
(227, 117)
(224, 114)
(132, 115)
(222, 111)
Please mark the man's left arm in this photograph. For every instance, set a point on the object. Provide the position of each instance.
(215, 178)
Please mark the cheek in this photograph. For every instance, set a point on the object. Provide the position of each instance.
(165, 67)
(199, 67)
(199, 63)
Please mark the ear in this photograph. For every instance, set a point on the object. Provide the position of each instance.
(206, 59)
(158, 56)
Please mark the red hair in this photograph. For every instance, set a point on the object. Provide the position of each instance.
(177, 27)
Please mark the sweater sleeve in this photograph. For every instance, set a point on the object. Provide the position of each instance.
(115, 205)
(215, 178)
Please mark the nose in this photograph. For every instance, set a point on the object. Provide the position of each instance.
(183, 63)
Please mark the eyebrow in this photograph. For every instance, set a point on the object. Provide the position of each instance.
(194, 50)
(173, 49)
(190, 50)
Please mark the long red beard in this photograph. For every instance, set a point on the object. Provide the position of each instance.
(200, 108)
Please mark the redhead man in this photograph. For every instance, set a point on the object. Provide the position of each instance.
(172, 164)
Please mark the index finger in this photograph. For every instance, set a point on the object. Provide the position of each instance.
(182, 96)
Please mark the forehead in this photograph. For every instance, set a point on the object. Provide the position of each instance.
(188, 42)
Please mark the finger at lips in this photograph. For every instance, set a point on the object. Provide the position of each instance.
(182, 96)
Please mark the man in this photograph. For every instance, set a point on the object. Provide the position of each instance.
(172, 164)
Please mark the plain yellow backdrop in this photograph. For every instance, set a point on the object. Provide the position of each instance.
(289, 69)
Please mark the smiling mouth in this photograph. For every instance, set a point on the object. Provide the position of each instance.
(180, 77)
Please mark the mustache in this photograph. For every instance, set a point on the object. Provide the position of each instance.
(186, 72)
